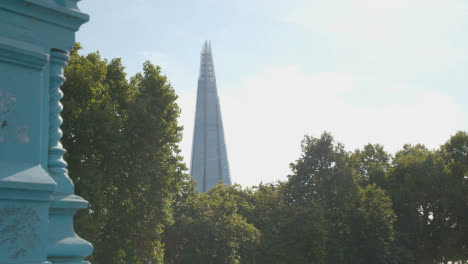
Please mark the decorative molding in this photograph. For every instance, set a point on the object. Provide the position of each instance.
(50, 12)
(22, 53)
(25, 176)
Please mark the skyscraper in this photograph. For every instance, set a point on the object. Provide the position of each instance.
(209, 163)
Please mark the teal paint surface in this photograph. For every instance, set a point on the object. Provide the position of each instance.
(37, 203)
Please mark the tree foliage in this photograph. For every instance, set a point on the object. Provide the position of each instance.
(429, 193)
(365, 206)
(209, 229)
(123, 156)
(359, 218)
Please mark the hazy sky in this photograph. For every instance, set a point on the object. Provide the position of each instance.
(379, 71)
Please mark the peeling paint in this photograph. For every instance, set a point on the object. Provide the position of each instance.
(7, 104)
(18, 133)
(22, 134)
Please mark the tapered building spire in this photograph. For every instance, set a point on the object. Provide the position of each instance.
(209, 163)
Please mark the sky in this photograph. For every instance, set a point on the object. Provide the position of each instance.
(368, 71)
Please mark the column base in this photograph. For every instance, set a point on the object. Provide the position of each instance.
(65, 246)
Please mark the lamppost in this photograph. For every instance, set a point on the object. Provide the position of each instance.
(37, 203)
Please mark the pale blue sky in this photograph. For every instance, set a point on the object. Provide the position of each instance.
(388, 72)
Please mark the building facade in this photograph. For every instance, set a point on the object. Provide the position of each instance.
(209, 164)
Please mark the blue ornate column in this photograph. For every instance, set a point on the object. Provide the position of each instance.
(65, 246)
(37, 203)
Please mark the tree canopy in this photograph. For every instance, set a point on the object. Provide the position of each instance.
(122, 140)
(336, 206)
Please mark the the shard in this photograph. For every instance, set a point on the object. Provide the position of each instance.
(209, 164)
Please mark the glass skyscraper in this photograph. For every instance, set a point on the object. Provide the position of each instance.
(209, 164)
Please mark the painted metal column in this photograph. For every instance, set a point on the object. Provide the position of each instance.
(36, 195)
(65, 246)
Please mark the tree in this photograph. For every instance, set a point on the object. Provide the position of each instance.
(208, 229)
(319, 173)
(372, 229)
(291, 233)
(455, 201)
(373, 164)
(122, 139)
(417, 184)
(91, 132)
(327, 174)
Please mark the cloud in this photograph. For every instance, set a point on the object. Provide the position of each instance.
(266, 119)
(395, 22)
(403, 35)
(380, 17)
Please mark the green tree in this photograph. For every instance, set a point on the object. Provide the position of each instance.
(122, 138)
(372, 230)
(322, 173)
(91, 132)
(208, 229)
(327, 174)
(455, 202)
(372, 165)
(417, 184)
(291, 233)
